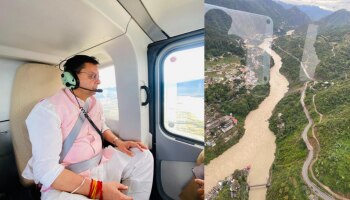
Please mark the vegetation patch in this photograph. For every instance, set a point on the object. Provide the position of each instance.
(291, 152)
(333, 133)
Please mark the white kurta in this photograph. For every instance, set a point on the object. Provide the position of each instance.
(44, 167)
(136, 172)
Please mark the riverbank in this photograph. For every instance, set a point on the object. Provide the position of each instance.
(287, 122)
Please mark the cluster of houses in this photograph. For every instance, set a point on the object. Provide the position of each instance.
(235, 76)
(233, 184)
(218, 126)
(225, 72)
(247, 77)
(225, 77)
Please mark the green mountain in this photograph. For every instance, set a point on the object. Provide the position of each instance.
(332, 48)
(282, 18)
(217, 41)
(314, 12)
(296, 17)
(338, 19)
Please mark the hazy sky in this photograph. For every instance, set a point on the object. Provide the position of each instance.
(325, 4)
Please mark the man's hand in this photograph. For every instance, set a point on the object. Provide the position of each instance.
(200, 190)
(112, 190)
(125, 146)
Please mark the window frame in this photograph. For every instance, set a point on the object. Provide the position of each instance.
(187, 43)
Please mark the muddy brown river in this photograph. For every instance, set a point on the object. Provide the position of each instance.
(257, 147)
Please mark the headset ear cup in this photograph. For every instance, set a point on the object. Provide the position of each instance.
(77, 81)
(69, 80)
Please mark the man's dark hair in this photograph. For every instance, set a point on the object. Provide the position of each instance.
(76, 63)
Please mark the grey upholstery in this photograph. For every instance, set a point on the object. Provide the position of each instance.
(32, 83)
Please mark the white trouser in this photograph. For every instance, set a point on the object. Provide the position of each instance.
(136, 172)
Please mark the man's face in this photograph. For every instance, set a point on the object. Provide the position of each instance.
(89, 78)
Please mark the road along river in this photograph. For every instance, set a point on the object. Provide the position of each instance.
(257, 146)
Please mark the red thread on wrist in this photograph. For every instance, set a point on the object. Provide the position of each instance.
(90, 191)
(101, 196)
(99, 189)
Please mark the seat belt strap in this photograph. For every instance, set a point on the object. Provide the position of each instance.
(85, 165)
(68, 142)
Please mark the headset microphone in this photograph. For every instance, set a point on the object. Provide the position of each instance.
(97, 90)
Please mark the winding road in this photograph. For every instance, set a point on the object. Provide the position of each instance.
(309, 158)
(316, 156)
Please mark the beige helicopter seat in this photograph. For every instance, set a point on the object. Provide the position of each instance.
(32, 83)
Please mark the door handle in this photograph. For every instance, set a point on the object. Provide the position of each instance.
(147, 95)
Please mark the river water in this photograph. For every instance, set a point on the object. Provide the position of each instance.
(257, 146)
